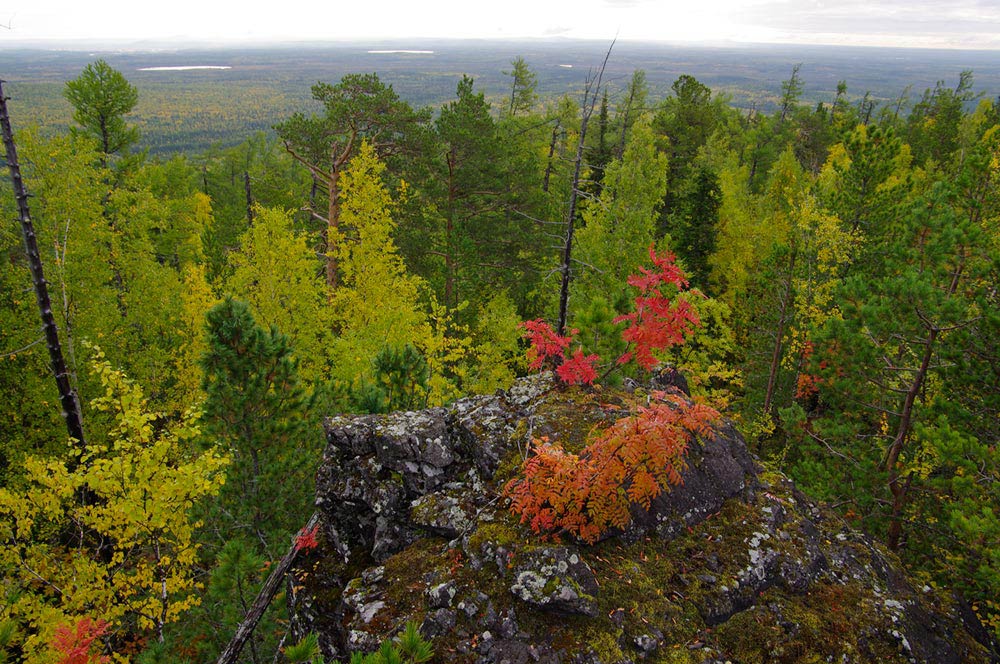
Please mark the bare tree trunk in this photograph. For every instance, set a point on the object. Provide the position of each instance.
(263, 599)
(67, 395)
(552, 151)
(589, 101)
(772, 374)
(246, 189)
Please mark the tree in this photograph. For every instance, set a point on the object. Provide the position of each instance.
(259, 413)
(358, 108)
(127, 554)
(633, 108)
(377, 303)
(898, 333)
(101, 98)
(481, 185)
(684, 123)
(619, 227)
(67, 393)
(590, 91)
(693, 226)
(275, 273)
(522, 88)
(933, 125)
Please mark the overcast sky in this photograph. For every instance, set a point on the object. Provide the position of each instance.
(929, 23)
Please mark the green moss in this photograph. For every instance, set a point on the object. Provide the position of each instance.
(504, 531)
(604, 644)
(829, 622)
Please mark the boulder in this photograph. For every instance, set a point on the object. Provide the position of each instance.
(735, 564)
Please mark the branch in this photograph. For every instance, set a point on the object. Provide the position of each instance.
(14, 353)
(263, 599)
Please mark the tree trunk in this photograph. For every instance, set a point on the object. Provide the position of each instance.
(548, 164)
(249, 197)
(589, 101)
(332, 227)
(67, 395)
(267, 592)
(772, 374)
(899, 491)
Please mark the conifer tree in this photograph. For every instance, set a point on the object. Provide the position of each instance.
(357, 109)
(900, 329)
(258, 411)
(101, 98)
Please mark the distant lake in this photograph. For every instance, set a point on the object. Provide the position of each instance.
(403, 51)
(184, 68)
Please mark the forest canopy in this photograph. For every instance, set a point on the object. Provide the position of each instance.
(840, 260)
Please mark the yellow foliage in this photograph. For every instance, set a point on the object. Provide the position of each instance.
(446, 346)
(196, 299)
(276, 273)
(377, 303)
(107, 532)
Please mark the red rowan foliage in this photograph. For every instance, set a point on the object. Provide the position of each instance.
(631, 462)
(659, 319)
(579, 369)
(306, 539)
(634, 460)
(545, 343)
(73, 644)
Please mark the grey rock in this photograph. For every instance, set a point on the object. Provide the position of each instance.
(441, 621)
(556, 579)
(405, 499)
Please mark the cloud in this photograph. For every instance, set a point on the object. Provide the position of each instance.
(897, 17)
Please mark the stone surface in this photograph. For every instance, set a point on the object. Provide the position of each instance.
(733, 565)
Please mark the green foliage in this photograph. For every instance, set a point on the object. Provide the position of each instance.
(259, 412)
(233, 583)
(398, 382)
(522, 88)
(101, 98)
(305, 651)
(477, 230)
(618, 229)
(833, 264)
(408, 648)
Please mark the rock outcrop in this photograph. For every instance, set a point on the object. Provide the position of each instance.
(733, 565)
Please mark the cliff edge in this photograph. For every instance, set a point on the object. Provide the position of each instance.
(733, 565)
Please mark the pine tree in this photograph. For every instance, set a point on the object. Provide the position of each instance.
(101, 98)
(258, 412)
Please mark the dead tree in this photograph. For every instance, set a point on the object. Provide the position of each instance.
(67, 395)
(267, 592)
(590, 90)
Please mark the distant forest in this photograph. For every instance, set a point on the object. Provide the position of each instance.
(811, 237)
(189, 111)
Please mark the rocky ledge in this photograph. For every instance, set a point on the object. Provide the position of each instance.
(733, 565)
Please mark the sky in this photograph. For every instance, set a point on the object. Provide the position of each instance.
(912, 23)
